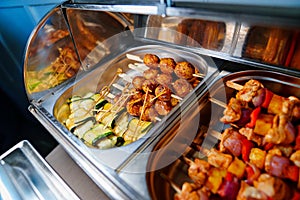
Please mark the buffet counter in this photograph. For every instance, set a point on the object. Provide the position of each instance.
(73, 175)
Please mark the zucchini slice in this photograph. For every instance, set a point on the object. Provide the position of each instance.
(87, 104)
(77, 117)
(136, 130)
(80, 123)
(120, 141)
(100, 104)
(142, 126)
(110, 118)
(97, 133)
(83, 128)
(121, 124)
(110, 141)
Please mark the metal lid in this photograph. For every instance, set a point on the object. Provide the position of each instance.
(66, 42)
(26, 175)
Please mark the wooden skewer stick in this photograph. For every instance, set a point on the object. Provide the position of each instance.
(129, 79)
(173, 185)
(218, 102)
(234, 85)
(138, 67)
(134, 57)
(145, 67)
(142, 67)
(119, 87)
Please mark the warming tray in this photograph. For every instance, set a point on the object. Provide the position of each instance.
(26, 175)
(97, 162)
(168, 166)
(165, 155)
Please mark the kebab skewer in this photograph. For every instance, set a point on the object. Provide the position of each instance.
(167, 65)
(218, 172)
(254, 93)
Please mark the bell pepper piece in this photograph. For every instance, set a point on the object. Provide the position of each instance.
(296, 196)
(246, 149)
(250, 174)
(291, 172)
(268, 98)
(269, 146)
(253, 116)
(229, 176)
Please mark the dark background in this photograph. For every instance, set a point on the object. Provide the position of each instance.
(17, 125)
(17, 21)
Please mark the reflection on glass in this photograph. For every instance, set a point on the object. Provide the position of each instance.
(272, 45)
(209, 34)
(52, 57)
(189, 32)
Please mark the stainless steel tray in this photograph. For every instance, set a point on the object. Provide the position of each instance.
(104, 165)
(176, 144)
(26, 175)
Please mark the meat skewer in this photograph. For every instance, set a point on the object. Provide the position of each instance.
(258, 163)
(145, 67)
(173, 185)
(119, 87)
(253, 91)
(129, 78)
(219, 167)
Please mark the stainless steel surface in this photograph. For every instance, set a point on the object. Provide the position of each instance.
(127, 8)
(105, 178)
(169, 161)
(106, 162)
(132, 171)
(73, 175)
(100, 77)
(26, 175)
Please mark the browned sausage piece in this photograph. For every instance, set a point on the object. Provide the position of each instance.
(151, 60)
(137, 82)
(184, 70)
(136, 94)
(133, 107)
(182, 87)
(163, 93)
(167, 65)
(149, 114)
(149, 85)
(163, 107)
(164, 79)
(150, 73)
(148, 100)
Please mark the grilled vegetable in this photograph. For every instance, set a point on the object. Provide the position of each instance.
(97, 133)
(100, 104)
(83, 128)
(237, 167)
(136, 129)
(121, 124)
